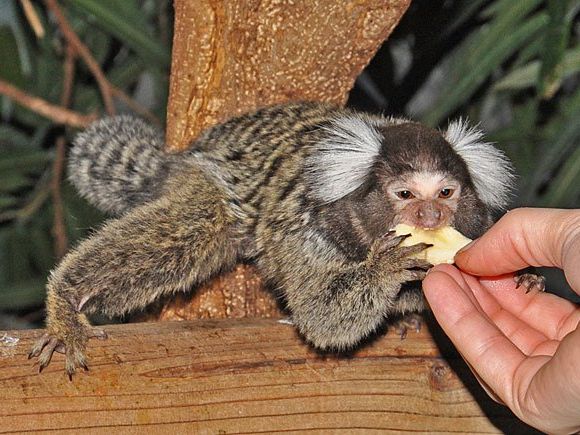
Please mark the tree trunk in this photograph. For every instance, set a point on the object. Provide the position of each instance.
(230, 57)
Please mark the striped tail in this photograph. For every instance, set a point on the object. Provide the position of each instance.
(118, 163)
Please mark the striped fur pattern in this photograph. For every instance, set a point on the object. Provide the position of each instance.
(297, 188)
(118, 163)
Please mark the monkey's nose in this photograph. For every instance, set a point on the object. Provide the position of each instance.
(429, 217)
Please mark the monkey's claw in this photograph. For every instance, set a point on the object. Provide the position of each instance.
(390, 240)
(412, 321)
(392, 257)
(530, 281)
(72, 345)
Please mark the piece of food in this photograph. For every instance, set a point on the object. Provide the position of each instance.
(446, 242)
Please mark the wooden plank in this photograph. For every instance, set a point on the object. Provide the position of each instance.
(237, 376)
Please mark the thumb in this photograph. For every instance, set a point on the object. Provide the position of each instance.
(527, 237)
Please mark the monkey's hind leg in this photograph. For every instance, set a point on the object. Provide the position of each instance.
(159, 248)
(409, 304)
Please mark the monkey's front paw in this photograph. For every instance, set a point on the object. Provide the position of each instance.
(387, 253)
(72, 344)
(530, 281)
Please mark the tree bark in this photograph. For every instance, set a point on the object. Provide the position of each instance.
(230, 57)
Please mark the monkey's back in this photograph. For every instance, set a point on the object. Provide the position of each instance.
(253, 149)
(260, 157)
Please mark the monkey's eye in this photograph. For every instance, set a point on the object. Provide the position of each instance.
(446, 193)
(405, 194)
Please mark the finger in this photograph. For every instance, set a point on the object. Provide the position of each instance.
(551, 315)
(483, 384)
(527, 237)
(524, 336)
(483, 345)
(528, 336)
(459, 277)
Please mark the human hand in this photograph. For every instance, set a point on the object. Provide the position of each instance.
(525, 348)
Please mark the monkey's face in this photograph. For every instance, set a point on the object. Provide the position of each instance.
(425, 199)
(372, 174)
(424, 180)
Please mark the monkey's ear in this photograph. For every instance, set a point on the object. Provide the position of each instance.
(491, 171)
(341, 162)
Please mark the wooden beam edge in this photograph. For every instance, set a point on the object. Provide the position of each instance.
(245, 375)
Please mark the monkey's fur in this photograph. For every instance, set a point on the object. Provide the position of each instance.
(304, 190)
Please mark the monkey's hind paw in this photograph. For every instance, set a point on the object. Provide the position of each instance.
(72, 345)
(409, 322)
(530, 281)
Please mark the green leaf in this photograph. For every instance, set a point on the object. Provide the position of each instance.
(510, 15)
(14, 259)
(563, 134)
(528, 53)
(555, 42)
(124, 20)
(40, 242)
(519, 139)
(465, 11)
(484, 52)
(10, 70)
(12, 180)
(47, 82)
(472, 76)
(22, 294)
(527, 75)
(4, 253)
(81, 216)
(7, 201)
(10, 135)
(122, 75)
(25, 160)
(97, 40)
(564, 190)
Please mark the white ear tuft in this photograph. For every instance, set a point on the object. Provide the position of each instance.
(340, 163)
(492, 173)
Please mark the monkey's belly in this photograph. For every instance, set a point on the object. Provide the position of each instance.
(446, 241)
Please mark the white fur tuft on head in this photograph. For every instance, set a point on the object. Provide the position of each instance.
(491, 171)
(341, 161)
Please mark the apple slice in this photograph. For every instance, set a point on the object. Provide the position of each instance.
(446, 242)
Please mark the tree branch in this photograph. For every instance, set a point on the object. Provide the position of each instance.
(59, 227)
(108, 90)
(56, 113)
(82, 51)
(32, 18)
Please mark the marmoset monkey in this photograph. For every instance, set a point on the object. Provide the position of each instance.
(307, 191)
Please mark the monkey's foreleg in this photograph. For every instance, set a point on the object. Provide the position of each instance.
(340, 309)
(158, 248)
